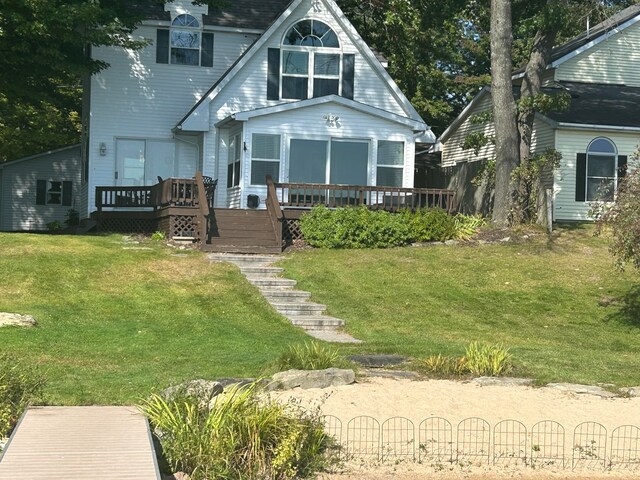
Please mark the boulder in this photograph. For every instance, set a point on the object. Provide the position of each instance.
(16, 320)
(200, 388)
(331, 377)
(631, 391)
(177, 476)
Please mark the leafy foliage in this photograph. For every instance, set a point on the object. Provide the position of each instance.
(20, 386)
(238, 435)
(622, 218)
(476, 141)
(444, 366)
(429, 225)
(310, 356)
(488, 360)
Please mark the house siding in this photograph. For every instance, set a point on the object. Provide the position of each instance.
(571, 142)
(248, 89)
(138, 98)
(18, 209)
(309, 123)
(613, 61)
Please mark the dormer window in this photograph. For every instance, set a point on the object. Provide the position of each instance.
(185, 43)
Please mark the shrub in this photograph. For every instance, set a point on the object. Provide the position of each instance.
(444, 366)
(239, 435)
(357, 227)
(158, 236)
(488, 360)
(20, 386)
(430, 225)
(466, 226)
(310, 356)
(72, 218)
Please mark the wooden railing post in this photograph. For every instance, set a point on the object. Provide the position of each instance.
(204, 207)
(275, 212)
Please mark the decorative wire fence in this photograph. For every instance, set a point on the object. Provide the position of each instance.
(474, 441)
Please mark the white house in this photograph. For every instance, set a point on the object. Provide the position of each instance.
(285, 88)
(596, 136)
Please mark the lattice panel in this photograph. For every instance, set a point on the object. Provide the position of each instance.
(292, 231)
(128, 225)
(184, 226)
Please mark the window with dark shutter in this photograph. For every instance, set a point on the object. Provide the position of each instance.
(348, 75)
(41, 192)
(162, 46)
(206, 54)
(273, 74)
(67, 193)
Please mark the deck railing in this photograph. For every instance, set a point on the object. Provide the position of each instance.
(275, 212)
(307, 195)
(171, 192)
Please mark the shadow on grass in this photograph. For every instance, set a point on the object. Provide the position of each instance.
(628, 311)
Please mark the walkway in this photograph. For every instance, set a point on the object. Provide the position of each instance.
(80, 443)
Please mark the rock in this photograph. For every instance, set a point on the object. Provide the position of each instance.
(377, 361)
(631, 391)
(227, 382)
(16, 320)
(503, 381)
(505, 239)
(581, 389)
(451, 242)
(396, 374)
(177, 476)
(331, 377)
(204, 389)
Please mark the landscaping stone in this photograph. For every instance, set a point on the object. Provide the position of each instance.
(397, 374)
(451, 242)
(631, 391)
(227, 382)
(177, 476)
(503, 381)
(581, 389)
(330, 377)
(378, 361)
(199, 388)
(16, 320)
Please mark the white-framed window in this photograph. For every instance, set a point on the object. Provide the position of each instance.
(311, 61)
(390, 169)
(601, 170)
(185, 40)
(54, 192)
(265, 157)
(233, 166)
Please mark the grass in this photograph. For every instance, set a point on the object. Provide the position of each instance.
(541, 299)
(117, 321)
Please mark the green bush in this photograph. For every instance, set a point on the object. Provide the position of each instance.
(488, 360)
(20, 386)
(430, 225)
(310, 356)
(239, 435)
(444, 366)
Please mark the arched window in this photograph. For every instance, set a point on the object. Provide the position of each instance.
(311, 63)
(601, 170)
(185, 40)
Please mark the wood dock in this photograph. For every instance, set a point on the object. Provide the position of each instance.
(80, 443)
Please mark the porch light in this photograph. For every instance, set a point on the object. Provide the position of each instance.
(332, 120)
(103, 149)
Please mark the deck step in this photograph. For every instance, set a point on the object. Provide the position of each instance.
(316, 322)
(299, 308)
(243, 249)
(243, 258)
(272, 282)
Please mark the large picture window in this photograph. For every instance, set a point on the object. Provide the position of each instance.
(265, 158)
(390, 163)
(311, 61)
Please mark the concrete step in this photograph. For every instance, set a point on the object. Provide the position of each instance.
(241, 249)
(299, 308)
(316, 322)
(259, 271)
(332, 335)
(272, 282)
(243, 258)
(275, 295)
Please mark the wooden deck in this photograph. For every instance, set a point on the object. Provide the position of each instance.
(80, 443)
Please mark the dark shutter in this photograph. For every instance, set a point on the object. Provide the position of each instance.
(348, 64)
(206, 54)
(67, 193)
(273, 74)
(622, 167)
(581, 177)
(162, 46)
(41, 192)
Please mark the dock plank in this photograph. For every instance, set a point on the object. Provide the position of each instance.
(74, 443)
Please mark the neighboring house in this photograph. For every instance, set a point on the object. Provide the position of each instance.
(264, 87)
(39, 189)
(596, 136)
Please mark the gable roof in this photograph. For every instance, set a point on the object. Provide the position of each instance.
(10, 163)
(255, 47)
(245, 14)
(334, 99)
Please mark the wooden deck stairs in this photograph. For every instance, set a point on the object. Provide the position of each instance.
(80, 443)
(241, 231)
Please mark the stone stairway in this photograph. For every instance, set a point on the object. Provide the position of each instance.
(282, 295)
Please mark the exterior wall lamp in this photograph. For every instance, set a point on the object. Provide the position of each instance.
(103, 149)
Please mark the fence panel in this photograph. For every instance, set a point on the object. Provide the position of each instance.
(474, 440)
(363, 438)
(589, 445)
(547, 444)
(509, 443)
(398, 439)
(435, 440)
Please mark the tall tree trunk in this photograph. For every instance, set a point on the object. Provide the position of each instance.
(504, 110)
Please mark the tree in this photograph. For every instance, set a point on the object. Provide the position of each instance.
(504, 109)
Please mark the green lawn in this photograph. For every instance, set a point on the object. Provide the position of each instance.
(541, 298)
(116, 321)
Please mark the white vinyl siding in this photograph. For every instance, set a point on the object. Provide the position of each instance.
(18, 209)
(613, 61)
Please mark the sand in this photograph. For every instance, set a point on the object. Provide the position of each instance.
(383, 398)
